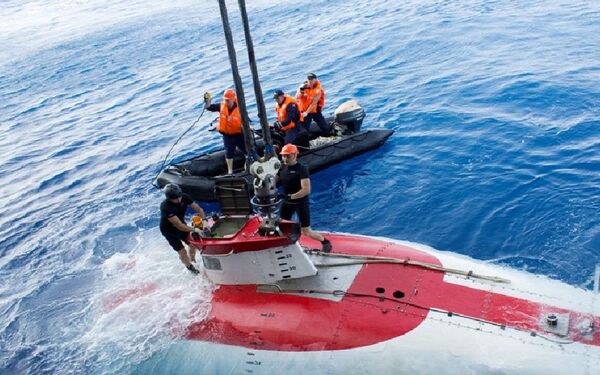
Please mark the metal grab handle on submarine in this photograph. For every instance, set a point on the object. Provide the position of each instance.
(265, 199)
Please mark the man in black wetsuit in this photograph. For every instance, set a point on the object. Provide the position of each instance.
(295, 180)
(172, 223)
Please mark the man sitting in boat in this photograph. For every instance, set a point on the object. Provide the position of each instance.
(289, 120)
(230, 125)
(311, 97)
(302, 100)
(295, 179)
(172, 223)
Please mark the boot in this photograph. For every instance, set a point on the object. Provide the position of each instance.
(326, 245)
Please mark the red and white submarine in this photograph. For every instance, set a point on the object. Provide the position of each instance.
(379, 306)
(373, 305)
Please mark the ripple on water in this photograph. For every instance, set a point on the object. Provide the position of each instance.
(495, 151)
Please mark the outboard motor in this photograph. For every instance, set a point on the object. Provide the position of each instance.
(349, 116)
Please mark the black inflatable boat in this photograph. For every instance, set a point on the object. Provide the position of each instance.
(196, 176)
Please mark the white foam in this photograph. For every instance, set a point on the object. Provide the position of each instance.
(145, 301)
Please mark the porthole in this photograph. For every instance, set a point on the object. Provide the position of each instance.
(398, 294)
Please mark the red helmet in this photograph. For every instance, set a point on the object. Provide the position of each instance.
(289, 149)
(229, 94)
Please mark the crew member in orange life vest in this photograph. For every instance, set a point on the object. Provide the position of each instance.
(230, 124)
(311, 98)
(289, 120)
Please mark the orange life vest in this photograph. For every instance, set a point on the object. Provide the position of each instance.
(281, 111)
(310, 94)
(229, 123)
(303, 102)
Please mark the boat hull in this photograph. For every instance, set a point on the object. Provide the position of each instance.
(196, 176)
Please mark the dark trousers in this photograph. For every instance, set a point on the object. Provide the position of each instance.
(231, 141)
(298, 136)
(319, 119)
(301, 207)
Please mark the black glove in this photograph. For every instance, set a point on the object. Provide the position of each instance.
(288, 197)
(193, 269)
(277, 125)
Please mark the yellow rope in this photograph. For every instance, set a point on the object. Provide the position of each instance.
(359, 259)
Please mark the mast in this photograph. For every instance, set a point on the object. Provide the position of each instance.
(239, 90)
(260, 103)
(265, 199)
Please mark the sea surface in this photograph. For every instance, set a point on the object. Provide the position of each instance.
(495, 155)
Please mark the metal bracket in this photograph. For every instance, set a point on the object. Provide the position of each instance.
(262, 169)
(556, 323)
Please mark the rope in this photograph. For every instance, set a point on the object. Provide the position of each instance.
(171, 149)
(358, 259)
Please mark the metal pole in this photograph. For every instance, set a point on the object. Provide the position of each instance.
(260, 103)
(248, 138)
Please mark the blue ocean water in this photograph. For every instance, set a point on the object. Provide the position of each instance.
(496, 151)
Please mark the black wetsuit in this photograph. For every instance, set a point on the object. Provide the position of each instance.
(169, 209)
(290, 177)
